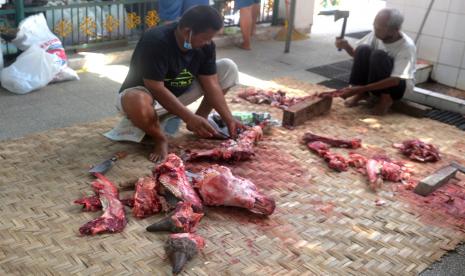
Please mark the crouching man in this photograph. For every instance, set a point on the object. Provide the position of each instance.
(384, 63)
(171, 67)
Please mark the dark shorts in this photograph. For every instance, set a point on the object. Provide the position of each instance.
(170, 10)
(239, 4)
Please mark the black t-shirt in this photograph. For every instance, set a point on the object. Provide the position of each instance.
(157, 57)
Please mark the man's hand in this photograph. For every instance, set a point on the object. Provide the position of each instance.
(200, 126)
(350, 91)
(233, 126)
(342, 43)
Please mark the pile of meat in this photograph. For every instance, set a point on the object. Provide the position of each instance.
(106, 196)
(273, 98)
(377, 168)
(169, 190)
(320, 145)
(231, 150)
(418, 150)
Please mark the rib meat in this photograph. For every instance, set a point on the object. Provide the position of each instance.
(113, 218)
(419, 150)
(335, 161)
(174, 185)
(181, 248)
(183, 219)
(338, 143)
(90, 203)
(231, 150)
(273, 98)
(218, 186)
(146, 202)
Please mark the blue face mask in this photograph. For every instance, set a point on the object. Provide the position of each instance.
(187, 44)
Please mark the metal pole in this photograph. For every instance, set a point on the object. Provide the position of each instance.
(424, 20)
(19, 6)
(274, 19)
(290, 26)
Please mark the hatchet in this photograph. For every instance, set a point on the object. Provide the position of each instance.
(338, 15)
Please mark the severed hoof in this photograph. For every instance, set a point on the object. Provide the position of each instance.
(264, 206)
(183, 219)
(178, 261)
(181, 248)
(165, 224)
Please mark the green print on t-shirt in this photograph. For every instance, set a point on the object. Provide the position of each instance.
(183, 80)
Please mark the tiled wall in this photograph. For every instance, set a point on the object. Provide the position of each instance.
(442, 41)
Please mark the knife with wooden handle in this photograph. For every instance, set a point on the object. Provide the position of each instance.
(104, 166)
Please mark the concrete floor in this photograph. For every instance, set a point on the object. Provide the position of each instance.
(92, 98)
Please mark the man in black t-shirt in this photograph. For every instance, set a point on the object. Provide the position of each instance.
(171, 67)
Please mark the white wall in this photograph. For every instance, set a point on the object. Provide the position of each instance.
(303, 14)
(442, 41)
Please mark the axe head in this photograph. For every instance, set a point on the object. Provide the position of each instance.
(338, 14)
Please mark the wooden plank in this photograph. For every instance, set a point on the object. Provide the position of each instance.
(305, 110)
(436, 180)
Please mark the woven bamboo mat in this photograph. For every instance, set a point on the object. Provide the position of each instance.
(325, 222)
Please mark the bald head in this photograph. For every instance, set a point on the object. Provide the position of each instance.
(387, 24)
(391, 18)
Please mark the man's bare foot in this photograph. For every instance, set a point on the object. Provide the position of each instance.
(383, 105)
(160, 151)
(245, 46)
(351, 102)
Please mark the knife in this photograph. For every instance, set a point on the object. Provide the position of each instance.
(104, 166)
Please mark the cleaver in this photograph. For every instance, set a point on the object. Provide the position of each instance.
(104, 166)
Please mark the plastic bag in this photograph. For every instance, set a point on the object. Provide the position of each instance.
(34, 31)
(32, 70)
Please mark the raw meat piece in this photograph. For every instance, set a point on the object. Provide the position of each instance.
(381, 168)
(218, 186)
(357, 160)
(335, 161)
(89, 203)
(339, 143)
(128, 202)
(174, 187)
(419, 150)
(373, 169)
(276, 99)
(181, 248)
(231, 150)
(183, 219)
(113, 218)
(146, 202)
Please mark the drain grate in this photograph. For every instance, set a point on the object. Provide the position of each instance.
(334, 83)
(448, 117)
(338, 70)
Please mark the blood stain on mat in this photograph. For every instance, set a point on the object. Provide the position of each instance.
(444, 207)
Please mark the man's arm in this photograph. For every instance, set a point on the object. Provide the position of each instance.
(382, 84)
(162, 95)
(215, 96)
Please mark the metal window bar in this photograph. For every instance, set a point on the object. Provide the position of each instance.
(77, 37)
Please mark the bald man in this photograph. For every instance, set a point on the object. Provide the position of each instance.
(384, 63)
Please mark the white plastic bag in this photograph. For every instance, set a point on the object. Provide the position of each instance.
(32, 70)
(34, 31)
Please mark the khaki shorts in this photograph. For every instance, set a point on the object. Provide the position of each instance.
(228, 76)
